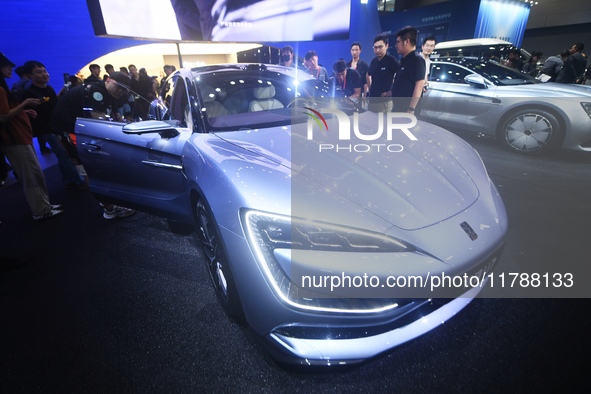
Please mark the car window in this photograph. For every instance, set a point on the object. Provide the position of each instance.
(242, 99)
(179, 105)
(501, 75)
(446, 72)
(496, 73)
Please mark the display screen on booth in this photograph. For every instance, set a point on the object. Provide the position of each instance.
(222, 20)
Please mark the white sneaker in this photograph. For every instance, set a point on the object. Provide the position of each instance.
(117, 212)
(50, 214)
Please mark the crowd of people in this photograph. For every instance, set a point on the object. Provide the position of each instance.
(397, 83)
(32, 108)
(387, 82)
(568, 66)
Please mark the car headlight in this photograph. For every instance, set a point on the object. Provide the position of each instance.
(270, 235)
(587, 108)
(276, 231)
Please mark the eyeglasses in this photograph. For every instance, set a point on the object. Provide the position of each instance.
(378, 46)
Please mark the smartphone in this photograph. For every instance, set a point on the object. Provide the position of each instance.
(66, 78)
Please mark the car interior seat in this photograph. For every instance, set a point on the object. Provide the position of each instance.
(212, 107)
(237, 103)
(264, 99)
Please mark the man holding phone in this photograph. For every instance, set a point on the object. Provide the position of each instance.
(16, 141)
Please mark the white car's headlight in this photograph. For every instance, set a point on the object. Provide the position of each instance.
(276, 231)
(270, 234)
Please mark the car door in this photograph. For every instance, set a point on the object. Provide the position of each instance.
(452, 102)
(139, 165)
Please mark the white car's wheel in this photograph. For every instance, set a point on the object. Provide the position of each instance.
(217, 264)
(531, 132)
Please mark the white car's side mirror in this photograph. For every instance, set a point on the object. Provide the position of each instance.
(476, 81)
(151, 126)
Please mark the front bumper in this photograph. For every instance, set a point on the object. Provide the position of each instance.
(353, 345)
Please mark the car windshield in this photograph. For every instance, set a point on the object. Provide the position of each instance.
(247, 99)
(496, 52)
(500, 75)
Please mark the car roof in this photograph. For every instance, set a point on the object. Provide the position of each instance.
(458, 59)
(477, 47)
(471, 42)
(251, 67)
(467, 61)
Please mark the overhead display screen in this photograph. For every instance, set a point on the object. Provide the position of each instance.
(222, 20)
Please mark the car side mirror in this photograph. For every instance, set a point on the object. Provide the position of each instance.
(476, 80)
(151, 126)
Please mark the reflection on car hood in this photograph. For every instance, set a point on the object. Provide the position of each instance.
(419, 184)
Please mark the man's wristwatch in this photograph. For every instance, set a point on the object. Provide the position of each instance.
(411, 109)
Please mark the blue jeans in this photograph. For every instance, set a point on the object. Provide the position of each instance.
(67, 167)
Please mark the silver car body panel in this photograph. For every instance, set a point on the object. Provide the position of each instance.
(421, 196)
(461, 106)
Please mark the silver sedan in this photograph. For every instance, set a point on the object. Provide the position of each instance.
(334, 233)
(525, 115)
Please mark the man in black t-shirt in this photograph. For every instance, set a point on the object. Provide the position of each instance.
(95, 71)
(382, 69)
(356, 63)
(410, 80)
(345, 80)
(100, 100)
(380, 74)
(41, 89)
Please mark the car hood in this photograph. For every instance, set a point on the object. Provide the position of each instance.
(410, 184)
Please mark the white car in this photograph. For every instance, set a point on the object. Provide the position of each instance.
(290, 222)
(525, 115)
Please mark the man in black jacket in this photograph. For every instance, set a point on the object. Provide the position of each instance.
(40, 89)
(574, 66)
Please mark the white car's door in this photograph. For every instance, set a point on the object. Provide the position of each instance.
(451, 101)
(137, 164)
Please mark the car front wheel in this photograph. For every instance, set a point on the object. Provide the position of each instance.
(217, 264)
(531, 132)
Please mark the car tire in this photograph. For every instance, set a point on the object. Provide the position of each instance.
(217, 264)
(531, 132)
